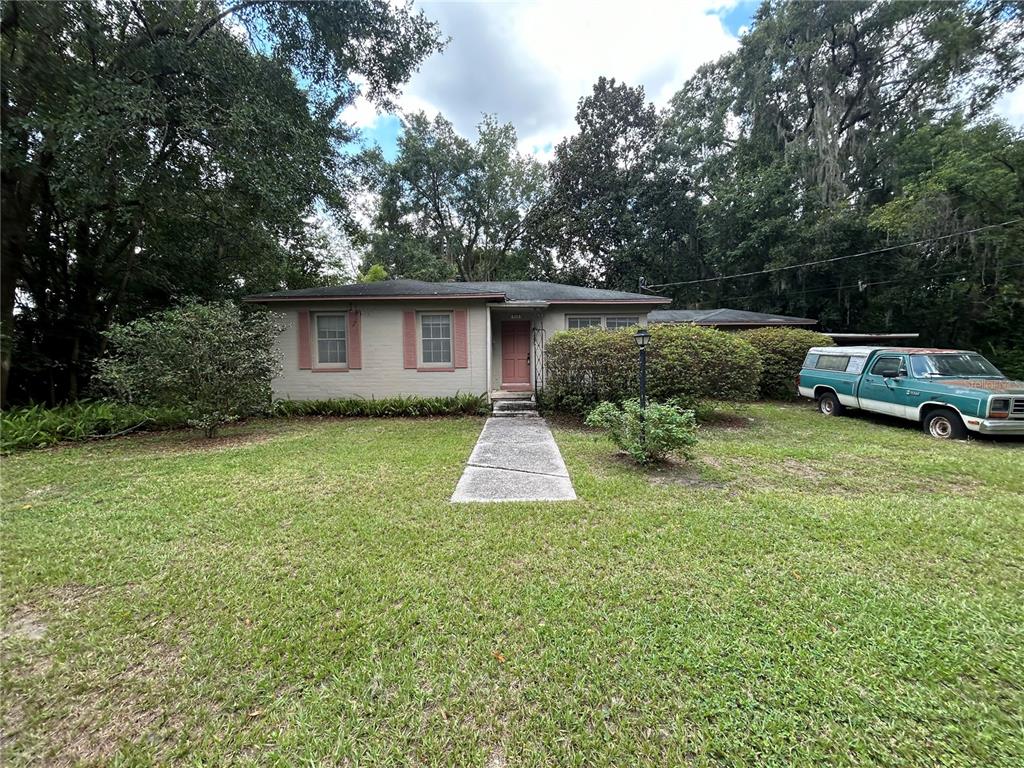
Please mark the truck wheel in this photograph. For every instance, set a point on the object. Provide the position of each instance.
(829, 405)
(944, 424)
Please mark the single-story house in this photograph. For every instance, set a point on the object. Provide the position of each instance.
(731, 319)
(407, 337)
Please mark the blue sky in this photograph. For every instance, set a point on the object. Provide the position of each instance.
(530, 62)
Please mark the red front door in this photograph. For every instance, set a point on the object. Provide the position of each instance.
(515, 354)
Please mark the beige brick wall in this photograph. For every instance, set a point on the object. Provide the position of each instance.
(383, 372)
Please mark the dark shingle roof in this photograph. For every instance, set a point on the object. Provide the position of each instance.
(510, 291)
(724, 317)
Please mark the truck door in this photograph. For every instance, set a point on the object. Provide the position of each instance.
(881, 387)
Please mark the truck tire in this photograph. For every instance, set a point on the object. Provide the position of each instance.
(829, 405)
(944, 424)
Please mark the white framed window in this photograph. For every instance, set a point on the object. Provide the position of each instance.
(614, 322)
(331, 340)
(583, 321)
(436, 338)
(611, 322)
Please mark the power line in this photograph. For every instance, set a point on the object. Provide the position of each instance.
(834, 258)
(861, 286)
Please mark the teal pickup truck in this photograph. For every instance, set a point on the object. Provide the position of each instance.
(949, 392)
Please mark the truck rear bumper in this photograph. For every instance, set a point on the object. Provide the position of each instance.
(996, 426)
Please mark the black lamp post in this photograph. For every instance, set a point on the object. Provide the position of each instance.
(642, 339)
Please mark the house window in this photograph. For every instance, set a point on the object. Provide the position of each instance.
(331, 346)
(584, 321)
(436, 338)
(614, 322)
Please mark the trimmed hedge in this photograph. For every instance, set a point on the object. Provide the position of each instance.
(782, 352)
(455, 405)
(685, 363)
(36, 426)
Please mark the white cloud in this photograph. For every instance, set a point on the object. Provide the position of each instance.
(1011, 106)
(531, 62)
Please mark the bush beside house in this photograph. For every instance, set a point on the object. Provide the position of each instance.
(782, 352)
(685, 363)
(213, 362)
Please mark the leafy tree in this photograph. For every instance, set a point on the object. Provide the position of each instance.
(374, 274)
(967, 289)
(154, 150)
(838, 128)
(214, 362)
(453, 208)
(615, 212)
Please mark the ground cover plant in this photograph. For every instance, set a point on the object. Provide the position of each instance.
(454, 405)
(805, 592)
(37, 426)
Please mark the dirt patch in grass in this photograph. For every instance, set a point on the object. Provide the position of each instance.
(726, 421)
(193, 443)
(803, 470)
(134, 706)
(671, 472)
(25, 623)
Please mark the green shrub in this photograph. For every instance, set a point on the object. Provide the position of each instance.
(387, 406)
(647, 434)
(685, 363)
(782, 352)
(1007, 359)
(212, 361)
(36, 427)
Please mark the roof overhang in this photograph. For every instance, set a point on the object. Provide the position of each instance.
(641, 302)
(396, 297)
(758, 323)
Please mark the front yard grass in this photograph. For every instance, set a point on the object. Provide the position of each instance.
(808, 591)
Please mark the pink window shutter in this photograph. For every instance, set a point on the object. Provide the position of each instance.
(305, 353)
(461, 354)
(409, 338)
(355, 340)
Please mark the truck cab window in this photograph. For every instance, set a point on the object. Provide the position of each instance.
(887, 366)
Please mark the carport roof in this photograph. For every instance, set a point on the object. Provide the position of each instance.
(724, 317)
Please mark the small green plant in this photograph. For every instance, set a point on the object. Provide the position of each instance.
(212, 361)
(648, 434)
(388, 406)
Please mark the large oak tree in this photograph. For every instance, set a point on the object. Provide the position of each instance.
(159, 150)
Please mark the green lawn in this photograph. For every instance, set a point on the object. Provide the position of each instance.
(810, 591)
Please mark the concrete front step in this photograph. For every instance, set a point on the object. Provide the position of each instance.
(515, 414)
(513, 405)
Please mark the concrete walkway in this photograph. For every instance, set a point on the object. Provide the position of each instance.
(515, 459)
